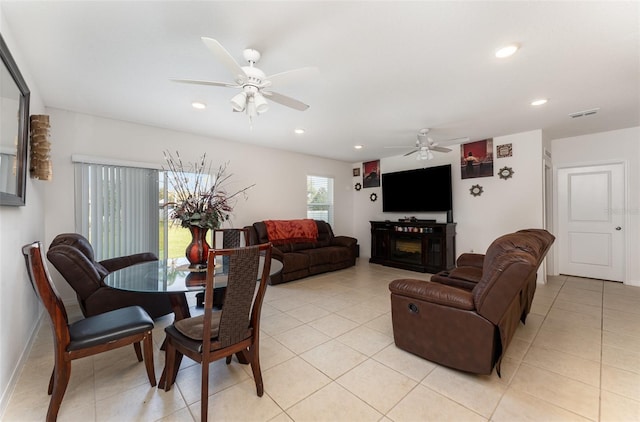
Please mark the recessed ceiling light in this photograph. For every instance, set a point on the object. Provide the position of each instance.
(198, 105)
(299, 131)
(539, 102)
(506, 51)
(358, 146)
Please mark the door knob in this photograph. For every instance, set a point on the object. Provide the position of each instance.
(618, 228)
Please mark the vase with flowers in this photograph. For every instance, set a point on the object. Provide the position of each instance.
(200, 202)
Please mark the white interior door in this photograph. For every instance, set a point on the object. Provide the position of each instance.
(590, 227)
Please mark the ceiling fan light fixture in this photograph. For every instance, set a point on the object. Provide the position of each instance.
(239, 101)
(260, 103)
(424, 154)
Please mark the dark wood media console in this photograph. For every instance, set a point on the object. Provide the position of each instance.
(416, 245)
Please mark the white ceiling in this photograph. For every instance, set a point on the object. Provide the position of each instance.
(385, 69)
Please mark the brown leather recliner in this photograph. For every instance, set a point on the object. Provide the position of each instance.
(468, 271)
(72, 255)
(467, 329)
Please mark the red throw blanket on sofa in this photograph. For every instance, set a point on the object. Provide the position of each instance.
(288, 231)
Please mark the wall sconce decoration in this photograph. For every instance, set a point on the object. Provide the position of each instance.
(505, 173)
(358, 186)
(40, 163)
(373, 197)
(476, 190)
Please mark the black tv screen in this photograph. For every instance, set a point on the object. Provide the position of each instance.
(421, 190)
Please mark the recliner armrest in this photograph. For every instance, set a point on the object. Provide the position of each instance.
(345, 241)
(470, 260)
(113, 264)
(433, 292)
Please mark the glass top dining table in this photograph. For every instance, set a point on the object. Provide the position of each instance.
(173, 276)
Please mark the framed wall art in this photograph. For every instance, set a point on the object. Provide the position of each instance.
(476, 159)
(371, 174)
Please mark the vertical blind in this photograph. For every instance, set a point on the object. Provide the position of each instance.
(117, 208)
(320, 198)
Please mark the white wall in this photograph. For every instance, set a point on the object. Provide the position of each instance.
(280, 176)
(19, 308)
(607, 147)
(505, 205)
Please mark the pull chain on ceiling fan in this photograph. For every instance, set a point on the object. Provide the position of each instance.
(254, 83)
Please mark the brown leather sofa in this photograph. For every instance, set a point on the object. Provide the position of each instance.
(468, 270)
(468, 329)
(304, 258)
(72, 255)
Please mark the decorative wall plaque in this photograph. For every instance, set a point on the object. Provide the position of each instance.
(476, 190)
(505, 173)
(505, 150)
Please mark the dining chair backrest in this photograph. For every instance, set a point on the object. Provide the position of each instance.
(231, 238)
(46, 290)
(240, 315)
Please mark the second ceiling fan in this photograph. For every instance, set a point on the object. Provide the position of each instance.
(254, 84)
(425, 145)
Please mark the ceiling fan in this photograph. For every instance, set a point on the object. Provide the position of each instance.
(254, 83)
(425, 145)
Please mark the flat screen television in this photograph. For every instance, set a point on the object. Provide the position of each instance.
(420, 190)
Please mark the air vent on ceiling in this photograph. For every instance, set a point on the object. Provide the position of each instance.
(584, 113)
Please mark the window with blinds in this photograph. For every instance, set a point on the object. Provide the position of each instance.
(320, 198)
(117, 208)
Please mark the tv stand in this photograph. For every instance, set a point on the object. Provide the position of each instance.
(413, 245)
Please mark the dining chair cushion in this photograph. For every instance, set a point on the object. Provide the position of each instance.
(109, 326)
(194, 327)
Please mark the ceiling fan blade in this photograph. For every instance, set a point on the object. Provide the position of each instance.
(412, 152)
(440, 149)
(463, 139)
(226, 59)
(293, 75)
(212, 83)
(285, 101)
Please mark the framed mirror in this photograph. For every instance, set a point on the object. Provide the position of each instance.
(14, 130)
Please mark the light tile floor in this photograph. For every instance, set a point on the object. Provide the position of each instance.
(327, 354)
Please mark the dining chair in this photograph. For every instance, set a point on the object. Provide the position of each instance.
(235, 329)
(88, 336)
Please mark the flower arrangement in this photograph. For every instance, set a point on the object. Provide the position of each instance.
(198, 201)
